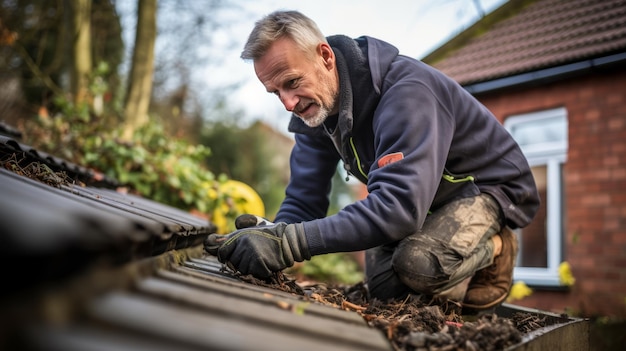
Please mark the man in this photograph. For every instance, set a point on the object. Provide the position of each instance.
(445, 180)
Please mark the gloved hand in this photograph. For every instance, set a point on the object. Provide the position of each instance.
(250, 220)
(262, 250)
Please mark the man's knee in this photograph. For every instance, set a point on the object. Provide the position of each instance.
(419, 268)
(382, 281)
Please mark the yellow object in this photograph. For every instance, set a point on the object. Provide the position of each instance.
(240, 198)
(565, 274)
(519, 290)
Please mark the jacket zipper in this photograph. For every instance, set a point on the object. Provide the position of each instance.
(358, 162)
(452, 179)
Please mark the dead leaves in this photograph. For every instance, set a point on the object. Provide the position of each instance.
(414, 323)
(36, 170)
(347, 305)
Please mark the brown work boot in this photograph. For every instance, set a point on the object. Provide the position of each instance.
(491, 285)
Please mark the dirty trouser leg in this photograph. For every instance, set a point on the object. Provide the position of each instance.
(452, 244)
(382, 280)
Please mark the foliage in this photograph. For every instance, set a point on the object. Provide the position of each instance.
(247, 154)
(166, 170)
(41, 56)
(154, 165)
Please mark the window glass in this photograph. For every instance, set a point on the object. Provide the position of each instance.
(533, 239)
(542, 137)
(533, 132)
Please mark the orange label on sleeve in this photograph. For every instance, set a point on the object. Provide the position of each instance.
(391, 158)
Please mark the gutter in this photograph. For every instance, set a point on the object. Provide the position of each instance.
(545, 75)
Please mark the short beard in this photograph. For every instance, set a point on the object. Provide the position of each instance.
(318, 119)
(325, 107)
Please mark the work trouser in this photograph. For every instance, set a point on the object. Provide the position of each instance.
(452, 245)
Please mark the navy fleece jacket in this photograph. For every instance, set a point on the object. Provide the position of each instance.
(415, 137)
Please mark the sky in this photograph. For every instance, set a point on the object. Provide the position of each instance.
(415, 27)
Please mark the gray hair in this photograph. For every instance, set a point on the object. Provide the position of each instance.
(293, 24)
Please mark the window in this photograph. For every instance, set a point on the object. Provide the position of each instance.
(543, 139)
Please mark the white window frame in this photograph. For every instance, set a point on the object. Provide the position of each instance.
(553, 155)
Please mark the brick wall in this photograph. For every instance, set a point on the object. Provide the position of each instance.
(594, 187)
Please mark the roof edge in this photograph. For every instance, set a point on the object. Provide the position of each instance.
(547, 74)
(508, 9)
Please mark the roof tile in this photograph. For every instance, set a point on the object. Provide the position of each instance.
(544, 34)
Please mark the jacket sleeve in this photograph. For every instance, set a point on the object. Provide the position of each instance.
(313, 162)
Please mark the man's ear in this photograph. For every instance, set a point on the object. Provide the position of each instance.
(327, 55)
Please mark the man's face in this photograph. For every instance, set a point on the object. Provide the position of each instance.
(307, 85)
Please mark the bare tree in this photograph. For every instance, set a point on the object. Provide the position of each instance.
(142, 68)
(81, 49)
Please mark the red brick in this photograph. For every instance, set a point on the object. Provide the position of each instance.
(594, 186)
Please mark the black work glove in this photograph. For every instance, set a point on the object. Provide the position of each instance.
(261, 250)
(250, 220)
